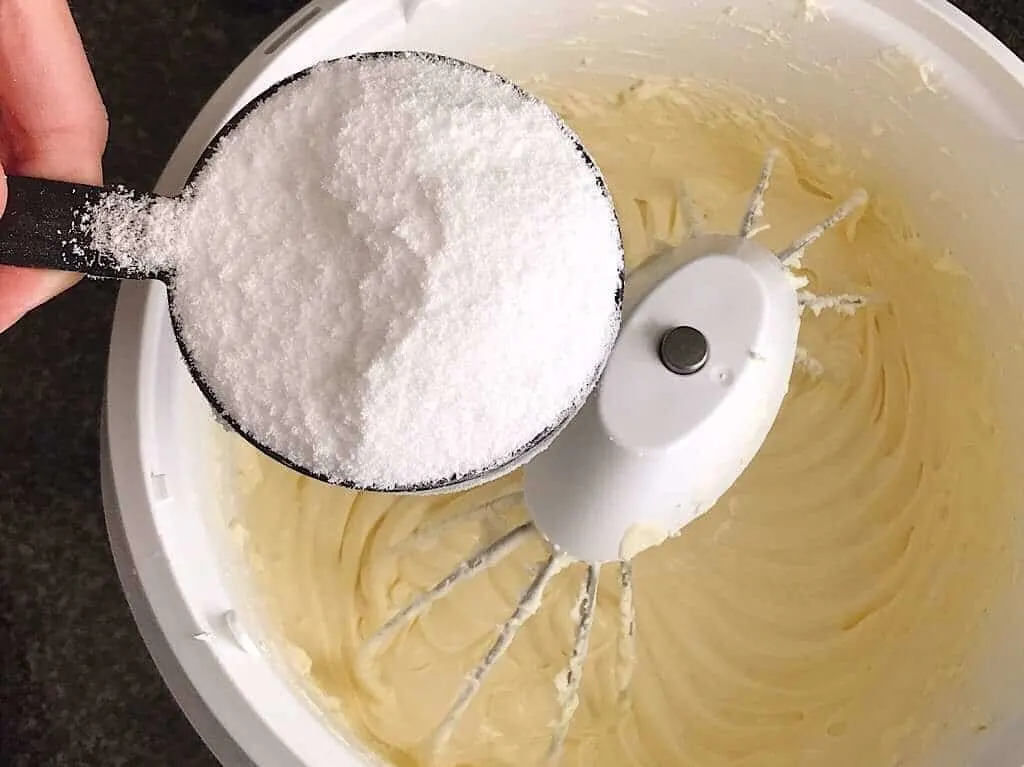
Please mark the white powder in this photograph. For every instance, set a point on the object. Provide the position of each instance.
(392, 272)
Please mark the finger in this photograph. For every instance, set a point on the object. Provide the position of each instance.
(52, 125)
(52, 120)
(22, 290)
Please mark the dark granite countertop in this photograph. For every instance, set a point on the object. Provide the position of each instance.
(76, 684)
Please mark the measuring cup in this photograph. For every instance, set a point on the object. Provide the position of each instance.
(45, 225)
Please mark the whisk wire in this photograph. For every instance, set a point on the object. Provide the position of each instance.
(528, 605)
(627, 630)
(569, 687)
(481, 560)
(792, 253)
(755, 211)
(844, 303)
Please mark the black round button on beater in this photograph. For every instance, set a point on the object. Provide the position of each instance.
(683, 350)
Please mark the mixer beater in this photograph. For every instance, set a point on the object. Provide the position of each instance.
(705, 390)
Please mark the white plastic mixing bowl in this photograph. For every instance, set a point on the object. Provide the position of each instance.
(160, 480)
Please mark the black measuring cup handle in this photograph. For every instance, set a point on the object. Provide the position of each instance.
(44, 226)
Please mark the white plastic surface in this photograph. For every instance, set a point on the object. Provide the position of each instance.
(652, 450)
(160, 499)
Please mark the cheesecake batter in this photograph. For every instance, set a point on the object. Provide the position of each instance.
(823, 613)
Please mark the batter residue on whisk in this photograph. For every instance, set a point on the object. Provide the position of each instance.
(821, 614)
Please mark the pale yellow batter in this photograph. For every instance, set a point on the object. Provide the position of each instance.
(823, 613)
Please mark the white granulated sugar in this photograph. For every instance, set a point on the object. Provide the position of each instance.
(393, 272)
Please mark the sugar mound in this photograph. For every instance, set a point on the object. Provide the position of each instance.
(396, 270)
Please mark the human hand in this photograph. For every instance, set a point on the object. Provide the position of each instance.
(52, 125)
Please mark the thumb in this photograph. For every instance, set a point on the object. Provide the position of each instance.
(22, 290)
